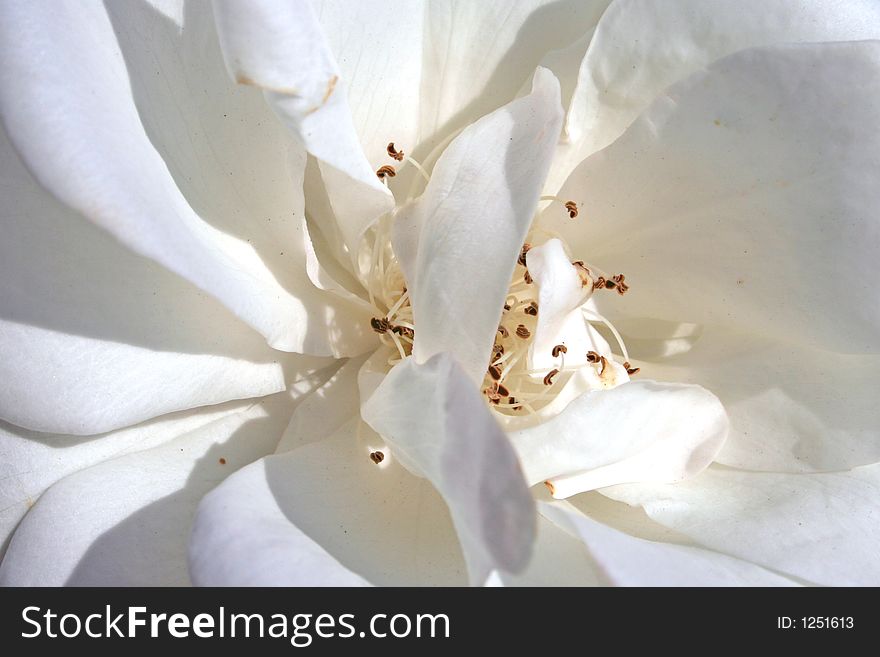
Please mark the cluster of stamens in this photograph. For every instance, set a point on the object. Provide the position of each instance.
(510, 386)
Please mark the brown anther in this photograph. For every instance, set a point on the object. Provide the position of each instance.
(512, 401)
(630, 369)
(377, 457)
(548, 380)
(527, 277)
(619, 284)
(600, 283)
(506, 307)
(604, 362)
(502, 390)
(531, 309)
(403, 330)
(522, 332)
(380, 325)
(584, 273)
(572, 208)
(386, 170)
(497, 351)
(559, 349)
(494, 372)
(503, 331)
(593, 357)
(522, 254)
(393, 152)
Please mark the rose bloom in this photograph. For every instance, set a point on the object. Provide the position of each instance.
(405, 292)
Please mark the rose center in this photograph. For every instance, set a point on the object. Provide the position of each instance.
(519, 381)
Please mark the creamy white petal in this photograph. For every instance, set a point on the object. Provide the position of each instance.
(560, 321)
(792, 409)
(378, 47)
(559, 559)
(67, 104)
(236, 164)
(640, 47)
(94, 337)
(734, 200)
(126, 521)
(323, 412)
(434, 418)
(477, 55)
(629, 561)
(472, 220)
(281, 47)
(30, 461)
(822, 528)
(640, 431)
(326, 514)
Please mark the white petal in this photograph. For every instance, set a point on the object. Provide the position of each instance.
(792, 409)
(558, 560)
(434, 418)
(30, 462)
(378, 48)
(640, 47)
(94, 337)
(69, 110)
(734, 201)
(477, 55)
(822, 528)
(560, 321)
(281, 47)
(321, 513)
(629, 561)
(126, 521)
(322, 413)
(229, 155)
(472, 220)
(640, 431)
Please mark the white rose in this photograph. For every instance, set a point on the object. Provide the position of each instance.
(721, 154)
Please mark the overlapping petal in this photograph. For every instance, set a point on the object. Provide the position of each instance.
(640, 47)
(638, 432)
(70, 113)
(325, 514)
(281, 48)
(126, 521)
(629, 561)
(471, 222)
(94, 337)
(791, 408)
(747, 198)
(439, 426)
(822, 528)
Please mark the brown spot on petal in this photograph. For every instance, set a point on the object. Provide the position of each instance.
(331, 85)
